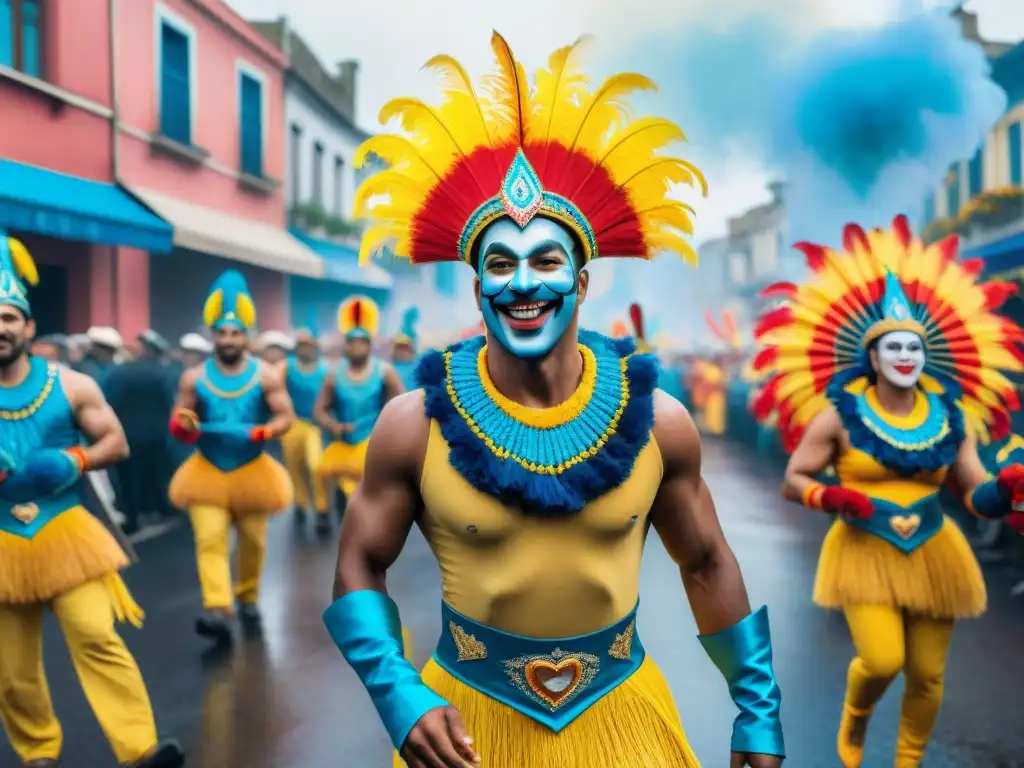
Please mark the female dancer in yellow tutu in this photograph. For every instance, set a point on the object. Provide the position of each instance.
(536, 457)
(886, 365)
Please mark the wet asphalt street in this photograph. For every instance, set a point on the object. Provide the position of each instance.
(288, 700)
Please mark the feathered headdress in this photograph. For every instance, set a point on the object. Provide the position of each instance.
(884, 281)
(358, 317)
(407, 334)
(16, 269)
(726, 330)
(229, 302)
(636, 317)
(559, 150)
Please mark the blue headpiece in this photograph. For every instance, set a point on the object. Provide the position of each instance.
(407, 334)
(16, 270)
(897, 313)
(229, 303)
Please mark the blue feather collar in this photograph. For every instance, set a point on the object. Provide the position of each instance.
(546, 462)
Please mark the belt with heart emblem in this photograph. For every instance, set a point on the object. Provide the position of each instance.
(550, 681)
(906, 528)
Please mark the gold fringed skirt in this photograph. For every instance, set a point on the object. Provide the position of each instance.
(72, 549)
(636, 725)
(261, 487)
(940, 579)
(343, 460)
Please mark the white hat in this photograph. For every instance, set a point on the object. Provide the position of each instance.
(193, 342)
(277, 339)
(105, 336)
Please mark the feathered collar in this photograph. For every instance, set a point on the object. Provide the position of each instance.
(546, 462)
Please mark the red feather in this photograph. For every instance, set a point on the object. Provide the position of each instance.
(948, 248)
(764, 403)
(780, 290)
(816, 255)
(357, 313)
(854, 236)
(901, 227)
(996, 294)
(772, 320)
(730, 324)
(710, 320)
(973, 267)
(765, 358)
(1000, 426)
(636, 316)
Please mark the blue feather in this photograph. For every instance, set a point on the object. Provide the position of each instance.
(410, 318)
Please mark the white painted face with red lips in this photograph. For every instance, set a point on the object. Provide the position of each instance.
(901, 358)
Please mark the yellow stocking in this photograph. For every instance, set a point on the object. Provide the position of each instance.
(211, 527)
(293, 451)
(927, 646)
(314, 448)
(252, 553)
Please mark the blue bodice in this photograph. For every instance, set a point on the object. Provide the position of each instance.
(36, 415)
(358, 402)
(304, 386)
(228, 408)
(407, 373)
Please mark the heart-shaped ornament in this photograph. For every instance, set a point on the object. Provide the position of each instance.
(905, 525)
(25, 513)
(554, 682)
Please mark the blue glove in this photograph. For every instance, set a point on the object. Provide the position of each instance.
(43, 473)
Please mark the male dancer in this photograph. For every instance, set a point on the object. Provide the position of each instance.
(354, 393)
(403, 349)
(229, 407)
(54, 553)
(302, 446)
(535, 458)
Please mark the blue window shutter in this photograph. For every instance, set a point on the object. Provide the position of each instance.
(175, 86)
(1016, 160)
(6, 33)
(31, 51)
(953, 192)
(975, 173)
(251, 125)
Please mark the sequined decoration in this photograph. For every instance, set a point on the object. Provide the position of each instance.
(19, 414)
(470, 649)
(623, 645)
(553, 680)
(521, 192)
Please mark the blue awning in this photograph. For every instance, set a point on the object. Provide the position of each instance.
(45, 202)
(341, 263)
(1006, 255)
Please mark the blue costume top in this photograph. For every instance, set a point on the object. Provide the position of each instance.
(304, 386)
(35, 415)
(358, 402)
(407, 373)
(228, 408)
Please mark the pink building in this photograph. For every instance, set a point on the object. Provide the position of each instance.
(201, 142)
(57, 165)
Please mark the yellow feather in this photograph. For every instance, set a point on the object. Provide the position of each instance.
(675, 215)
(431, 131)
(377, 238)
(559, 89)
(607, 111)
(635, 146)
(21, 259)
(651, 183)
(213, 307)
(461, 104)
(398, 153)
(670, 242)
(245, 310)
(509, 92)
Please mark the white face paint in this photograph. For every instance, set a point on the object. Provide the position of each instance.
(901, 358)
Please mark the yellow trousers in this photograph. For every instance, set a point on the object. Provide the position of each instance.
(889, 641)
(108, 673)
(302, 448)
(211, 527)
(344, 462)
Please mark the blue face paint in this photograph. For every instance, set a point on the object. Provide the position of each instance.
(530, 272)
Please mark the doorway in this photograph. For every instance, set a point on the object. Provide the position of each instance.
(49, 300)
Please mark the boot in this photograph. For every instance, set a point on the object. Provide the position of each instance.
(249, 613)
(214, 625)
(853, 730)
(167, 754)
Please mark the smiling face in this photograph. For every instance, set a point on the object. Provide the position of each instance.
(230, 343)
(529, 285)
(16, 332)
(899, 358)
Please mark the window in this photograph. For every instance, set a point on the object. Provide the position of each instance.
(445, 278)
(251, 124)
(1016, 161)
(318, 173)
(294, 159)
(21, 35)
(175, 81)
(339, 174)
(929, 209)
(953, 192)
(975, 173)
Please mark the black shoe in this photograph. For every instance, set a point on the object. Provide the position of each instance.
(249, 613)
(214, 626)
(300, 516)
(166, 755)
(323, 524)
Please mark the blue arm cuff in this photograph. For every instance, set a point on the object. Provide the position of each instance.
(990, 501)
(366, 628)
(743, 654)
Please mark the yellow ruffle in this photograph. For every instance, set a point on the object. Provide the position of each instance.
(343, 461)
(261, 487)
(72, 549)
(941, 578)
(636, 725)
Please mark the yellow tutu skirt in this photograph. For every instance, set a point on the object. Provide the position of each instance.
(940, 579)
(261, 487)
(343, 461)
(635, 726)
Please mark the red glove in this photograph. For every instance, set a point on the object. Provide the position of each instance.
(1016, 521)
(184, 426)
(846, 502)
(260, 434)
(1011, 482)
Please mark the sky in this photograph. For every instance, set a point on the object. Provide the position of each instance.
(392, 39)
